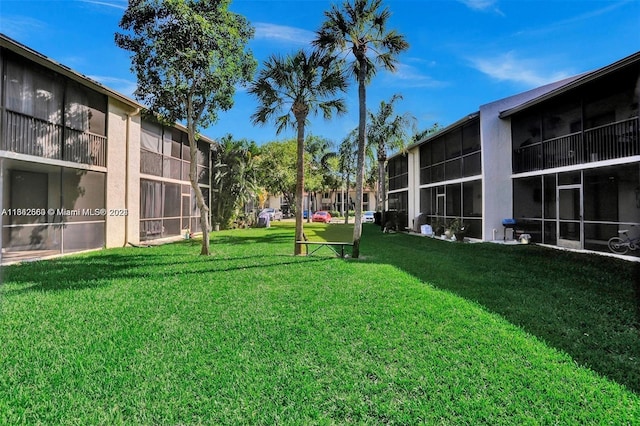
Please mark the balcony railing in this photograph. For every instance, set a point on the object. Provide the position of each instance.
(621, 139)
(85, 148)
(608, 142)
(28, 135)
(31, 136)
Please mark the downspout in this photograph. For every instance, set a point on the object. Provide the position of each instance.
(127, 175)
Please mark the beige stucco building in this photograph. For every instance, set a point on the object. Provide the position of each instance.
(82, 167)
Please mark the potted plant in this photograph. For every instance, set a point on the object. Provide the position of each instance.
(458, 229)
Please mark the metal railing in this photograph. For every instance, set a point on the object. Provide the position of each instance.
(615, 140)
(562, 151)
(86, 148)
(611, 141)
(31, 136)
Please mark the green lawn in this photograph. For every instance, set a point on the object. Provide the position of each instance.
(417, 331)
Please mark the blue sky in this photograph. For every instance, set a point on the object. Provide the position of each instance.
(463, 53)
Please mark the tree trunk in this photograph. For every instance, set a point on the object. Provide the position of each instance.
(382, 187)
(362, 99)
(299, 184)
(345, 201)
(204, 209)
(193, 177)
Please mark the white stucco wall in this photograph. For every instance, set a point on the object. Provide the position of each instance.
(495, 137)
(414, 185)
(123, 175)
(497, 197)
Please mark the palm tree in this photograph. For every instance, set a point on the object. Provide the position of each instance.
(288, 90)
(360, 28)
(234, 178)
(319, 149)
(387, 132)
(347, 154)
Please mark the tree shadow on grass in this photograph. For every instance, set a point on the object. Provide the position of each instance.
(583, 304)
(77, 273)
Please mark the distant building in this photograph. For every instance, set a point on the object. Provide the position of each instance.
(330, 200)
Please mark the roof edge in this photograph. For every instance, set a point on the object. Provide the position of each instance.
(41, 59)
(464, 120)
(580, 80)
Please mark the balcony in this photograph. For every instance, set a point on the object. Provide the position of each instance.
(608, 142)
(31, 136)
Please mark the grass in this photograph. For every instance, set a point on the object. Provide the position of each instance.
(417, 331)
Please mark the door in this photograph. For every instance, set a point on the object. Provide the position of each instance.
(441, 201)
(570, 208)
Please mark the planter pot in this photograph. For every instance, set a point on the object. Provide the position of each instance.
(460, 236)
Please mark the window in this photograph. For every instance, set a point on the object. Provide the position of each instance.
(151, 137)
(454, 200)
(165, 152)
(451, 156)
(472, 199)
(82, 189)
(527, 197)
(398, 170)
(453, 144)
(52, 190)
(34, 93)
(471, 137)
(85, 110)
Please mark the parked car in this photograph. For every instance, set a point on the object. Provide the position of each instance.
(274, 214)
(305, 214)
(321, 216)
(369, 216)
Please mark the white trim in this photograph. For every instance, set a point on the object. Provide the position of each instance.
(50, 161)
(395, 191)
(451, 182)
(169, 180)
(579, 167)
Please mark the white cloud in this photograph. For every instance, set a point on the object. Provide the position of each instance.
(564, 24)
(508, 67)
(20, 27)
(115, 4)
(410, 76)
(281, 33)
(120, 85)
(483, 5)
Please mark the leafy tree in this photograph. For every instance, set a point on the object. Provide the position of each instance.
(188, 56)
(277, 165)
(419, 135)
(289, 89)
(277, 169)
(234, 178)
(359, 28)
(387, 131)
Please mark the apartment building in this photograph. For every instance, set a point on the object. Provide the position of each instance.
(82, 167)
(562, 160)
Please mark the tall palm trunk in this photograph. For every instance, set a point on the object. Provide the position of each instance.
(362, 99)
(346, 202)
(300, 118)
(382, 186)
